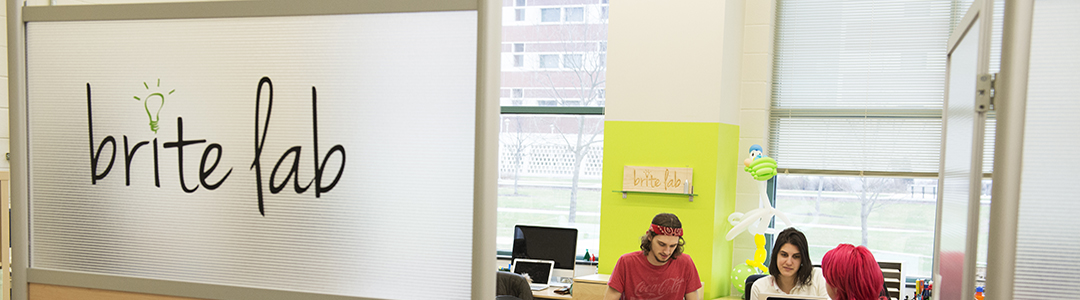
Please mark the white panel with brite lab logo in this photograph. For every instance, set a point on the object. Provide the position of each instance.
(304, 153)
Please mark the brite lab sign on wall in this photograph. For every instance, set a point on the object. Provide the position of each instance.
(317, 154)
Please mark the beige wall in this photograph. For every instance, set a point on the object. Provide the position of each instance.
(667, 61)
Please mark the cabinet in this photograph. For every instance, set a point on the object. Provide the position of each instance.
(590, 287)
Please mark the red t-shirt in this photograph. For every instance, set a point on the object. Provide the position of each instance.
(636, 278)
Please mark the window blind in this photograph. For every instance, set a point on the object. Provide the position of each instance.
(859, 85)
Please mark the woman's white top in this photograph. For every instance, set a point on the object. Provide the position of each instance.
(767, 285)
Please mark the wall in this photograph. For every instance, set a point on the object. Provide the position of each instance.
(666, 62)
(708, 148)
(755, 83)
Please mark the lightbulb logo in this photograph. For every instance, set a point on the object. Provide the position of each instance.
(153, 102)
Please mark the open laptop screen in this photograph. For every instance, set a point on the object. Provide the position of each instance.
(539, 270)
(790, 297)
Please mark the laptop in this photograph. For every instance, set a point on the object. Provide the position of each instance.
(767, 296)
(537, 270)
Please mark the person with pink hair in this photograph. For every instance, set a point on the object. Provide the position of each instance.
(851, 273)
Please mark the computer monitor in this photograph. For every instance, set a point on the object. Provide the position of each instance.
(551, 243)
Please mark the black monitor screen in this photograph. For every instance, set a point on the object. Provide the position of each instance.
(550, 243)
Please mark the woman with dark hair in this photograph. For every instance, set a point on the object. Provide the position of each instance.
(790, 268)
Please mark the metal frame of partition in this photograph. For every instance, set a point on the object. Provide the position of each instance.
(1011, 103)
(486, 148)
(981, 11)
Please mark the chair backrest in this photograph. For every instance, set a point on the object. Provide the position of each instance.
(750, 283)
(506, 297)
(511, 284)
(894, 278)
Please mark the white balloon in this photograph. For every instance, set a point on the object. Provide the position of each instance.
(759, 216)
(734, 218)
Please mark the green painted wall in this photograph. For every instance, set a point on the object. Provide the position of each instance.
(711, 149)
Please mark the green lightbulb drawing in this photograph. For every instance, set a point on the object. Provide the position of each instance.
(157, 100)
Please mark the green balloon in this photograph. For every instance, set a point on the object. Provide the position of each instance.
(762, 168)
(739, 273)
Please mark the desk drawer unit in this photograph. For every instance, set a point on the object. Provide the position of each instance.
(591, 287)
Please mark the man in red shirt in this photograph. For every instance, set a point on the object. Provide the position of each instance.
(660, 271)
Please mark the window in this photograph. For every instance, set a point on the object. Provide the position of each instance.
(550, 15)
(519, 59)
(519, 14)
(575, 14)
(855, 120)
(604, 13)
(572, 61)
(549, 61)
(551, 151)
(893, 216)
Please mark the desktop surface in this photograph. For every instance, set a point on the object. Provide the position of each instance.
(589, 287)
(549, 293)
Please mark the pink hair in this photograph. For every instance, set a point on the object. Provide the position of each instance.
(852, 272)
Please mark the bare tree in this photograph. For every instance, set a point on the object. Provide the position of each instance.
(582, 49)
(516, 140)
(579, 147)
(870, 191)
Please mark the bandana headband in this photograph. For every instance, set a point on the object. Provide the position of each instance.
(661, 230)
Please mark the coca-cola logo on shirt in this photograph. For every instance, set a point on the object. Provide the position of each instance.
(666, 287)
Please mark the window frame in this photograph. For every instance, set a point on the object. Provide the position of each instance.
(519, 14)
(566, 14)
(550, 110)
(545, 18)
(552, 58)
(931, 113)
(583, 14)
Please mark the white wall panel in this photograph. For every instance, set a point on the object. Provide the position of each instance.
(1046, 242)
(397, 92)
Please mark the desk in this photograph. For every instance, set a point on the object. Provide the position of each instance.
(589, 287)
(549, 293)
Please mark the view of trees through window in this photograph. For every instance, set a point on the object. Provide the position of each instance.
(893, 217)
(553, 61)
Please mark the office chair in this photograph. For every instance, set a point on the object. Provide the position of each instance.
(506, 297)
(512, 284)
(894, 279)
(884, 295)
(750, 283)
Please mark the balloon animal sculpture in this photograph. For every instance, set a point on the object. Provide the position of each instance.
(756, 221)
